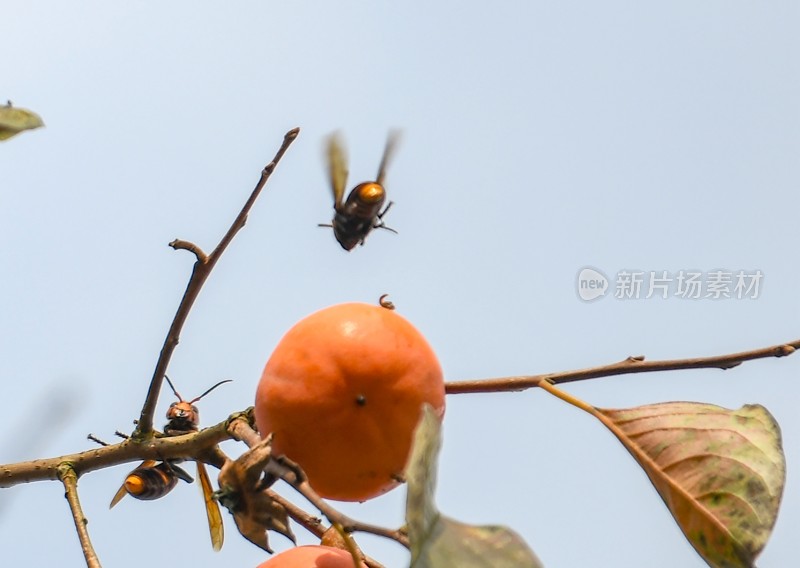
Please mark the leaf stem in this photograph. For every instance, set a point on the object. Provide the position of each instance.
(566, 397)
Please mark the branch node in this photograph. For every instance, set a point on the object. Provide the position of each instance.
(635, 359)
(65, 471)
(784, 351)
(240, 427)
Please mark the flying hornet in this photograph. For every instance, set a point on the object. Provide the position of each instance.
(361, 212)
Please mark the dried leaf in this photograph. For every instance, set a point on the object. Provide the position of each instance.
(15, 120)
(720, 472)
(252, 505)
(259, 514)
(439, 542)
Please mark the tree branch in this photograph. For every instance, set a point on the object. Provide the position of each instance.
(187, 446)
(635, 364)
(238, 425)
(202, 268)
(69, 478)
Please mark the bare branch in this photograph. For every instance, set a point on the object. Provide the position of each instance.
(202, 268)
(189, 446)
(241, 219)
(635, 364)
(311, 523)
(69, 478)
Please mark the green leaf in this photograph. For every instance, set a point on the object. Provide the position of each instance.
(439, 542)
(15, 120)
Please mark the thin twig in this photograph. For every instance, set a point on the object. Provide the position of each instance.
(628, 366)
(311, 523)
(241, 218)
(179, 244)
(372, 563)
(202, 268)
(97, 440)
(69, 478)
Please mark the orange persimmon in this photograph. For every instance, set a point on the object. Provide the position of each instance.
(311, 556)
(342, 394)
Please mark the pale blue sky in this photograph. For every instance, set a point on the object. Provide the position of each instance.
(539, 138)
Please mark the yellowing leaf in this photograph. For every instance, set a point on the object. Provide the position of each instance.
(439, 542)
(15, 120)
(720, 472)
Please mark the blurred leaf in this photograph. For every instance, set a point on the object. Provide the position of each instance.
(244, 493)
(439, 542)
(421, 512)
(15, 120)
(455, 545)
(720, 472)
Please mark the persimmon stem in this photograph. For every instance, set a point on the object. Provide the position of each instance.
(200, 272)
(69, 478)
(634, 364)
